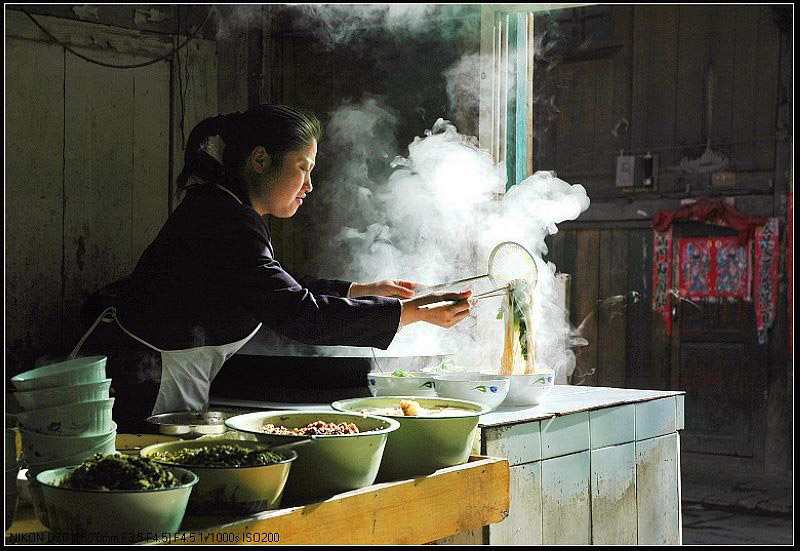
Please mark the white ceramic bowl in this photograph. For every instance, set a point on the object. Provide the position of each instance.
(91, 369)
(530, 390)
(81, 419)
(44, 448)
(488, 390)
(414, 384)
(58, 396)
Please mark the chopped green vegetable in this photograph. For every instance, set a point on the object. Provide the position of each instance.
(399, 373)
(120, 472)
(219, 456)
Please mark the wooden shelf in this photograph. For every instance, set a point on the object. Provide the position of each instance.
(448, 502)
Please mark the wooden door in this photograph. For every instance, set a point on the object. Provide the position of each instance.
(715, 360)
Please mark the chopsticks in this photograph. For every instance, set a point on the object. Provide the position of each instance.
(499, 292)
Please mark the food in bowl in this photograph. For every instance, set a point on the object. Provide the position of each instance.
(412, 408)
(119, 472)
(236, 476)
(423, 443)
(312, 429)
(224, 455)
(331, 463)
(120, 515)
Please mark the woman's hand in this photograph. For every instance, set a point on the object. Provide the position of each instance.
(443, 316)
(396, 288)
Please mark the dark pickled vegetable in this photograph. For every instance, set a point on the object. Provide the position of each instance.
(120, 472)
(225, 455)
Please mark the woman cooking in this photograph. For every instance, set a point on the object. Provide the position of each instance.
(209, 280)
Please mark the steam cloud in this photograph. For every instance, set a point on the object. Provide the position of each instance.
(436, 217)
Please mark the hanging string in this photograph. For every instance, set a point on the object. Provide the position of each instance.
(112, 65)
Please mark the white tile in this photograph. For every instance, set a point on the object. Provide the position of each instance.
(565, 435)
(611, 426)
(566, 510)
(520, 443)
(613, 490)
(523, 526)
(655, 418)
(657, 491)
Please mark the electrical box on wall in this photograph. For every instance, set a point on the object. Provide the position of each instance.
(637, 171)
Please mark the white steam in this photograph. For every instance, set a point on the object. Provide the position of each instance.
(434, 218)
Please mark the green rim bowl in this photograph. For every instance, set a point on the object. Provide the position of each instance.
(237, 489)
(422, 444)
(44, 448)
(91, 369)
(81, 419)
(331, 464)
(59, 396)
(113, 514)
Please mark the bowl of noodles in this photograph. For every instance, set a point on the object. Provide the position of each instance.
(434, 433)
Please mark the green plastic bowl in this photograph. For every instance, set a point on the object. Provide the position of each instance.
(118, 515)
(231, 489)
(422, 444)
(81, 419)
(59, 396)
(331, 464)
(91, 369)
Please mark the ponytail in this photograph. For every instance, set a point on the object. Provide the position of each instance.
(277, 128)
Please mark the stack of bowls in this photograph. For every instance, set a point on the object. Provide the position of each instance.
(67, 416)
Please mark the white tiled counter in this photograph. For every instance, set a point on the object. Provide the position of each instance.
(588, 465)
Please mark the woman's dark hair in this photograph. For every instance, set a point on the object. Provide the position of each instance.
(278, 128)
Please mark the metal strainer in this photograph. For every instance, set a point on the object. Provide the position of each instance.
(509, 261)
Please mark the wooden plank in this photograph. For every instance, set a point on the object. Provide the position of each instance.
(612, 310)
(34, 197)
(566, 508)
(464, 497)
(613, 486)
(232, 76)
(523, 526)
(744, 91)
(639, 318)
(576, 125)
(766, 72)
(657, 480)
(98, 181)
(584, 298)
(194, 75)
(150, 177)
(92, 36)
(655, 75)
(693, 60)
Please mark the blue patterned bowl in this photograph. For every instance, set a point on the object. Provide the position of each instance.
(487, 390)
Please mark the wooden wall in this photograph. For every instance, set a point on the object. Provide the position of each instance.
(88, 181)
(636, 78)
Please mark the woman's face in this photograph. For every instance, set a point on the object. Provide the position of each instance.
(281, 190)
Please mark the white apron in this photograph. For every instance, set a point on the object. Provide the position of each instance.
(186, 375)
